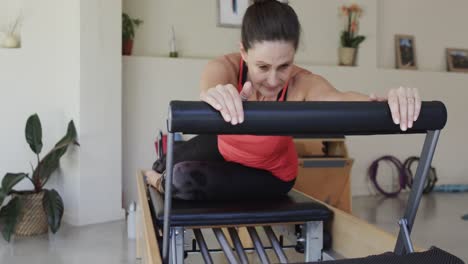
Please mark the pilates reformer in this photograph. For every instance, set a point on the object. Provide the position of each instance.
(173, 217)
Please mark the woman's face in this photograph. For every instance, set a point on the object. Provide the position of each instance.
(270, 64)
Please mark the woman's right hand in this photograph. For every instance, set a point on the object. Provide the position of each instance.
(227, 100)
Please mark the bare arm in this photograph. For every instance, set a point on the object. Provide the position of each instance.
(218, 90)
(404, 103)
(215, 73)
(319, 89)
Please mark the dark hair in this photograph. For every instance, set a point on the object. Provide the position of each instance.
(267, 20)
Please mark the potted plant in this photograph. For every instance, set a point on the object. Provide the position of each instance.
(11, 38)
(128, 33)
(31, 212)
(350, 39)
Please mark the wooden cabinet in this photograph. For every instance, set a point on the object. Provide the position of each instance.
(324, 171)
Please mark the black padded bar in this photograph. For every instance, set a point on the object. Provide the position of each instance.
(292, 118)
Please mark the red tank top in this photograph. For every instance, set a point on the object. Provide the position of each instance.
(276, 154)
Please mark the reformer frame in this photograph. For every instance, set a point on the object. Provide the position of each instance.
(313, 119)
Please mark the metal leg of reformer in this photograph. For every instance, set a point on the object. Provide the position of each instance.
(177, 245)
(203, 248)
(314, 241)
(275, 244)
(238, 245)
(168, 197)
(405, 233)
(258, 245)
(417, 188)
(225, 245)
(172, 253)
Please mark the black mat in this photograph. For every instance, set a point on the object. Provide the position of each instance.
(431, 256)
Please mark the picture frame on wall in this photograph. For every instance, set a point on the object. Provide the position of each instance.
(457, 60)
(231, 12)
(405, 52)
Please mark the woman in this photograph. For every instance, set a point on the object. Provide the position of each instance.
(246, 166)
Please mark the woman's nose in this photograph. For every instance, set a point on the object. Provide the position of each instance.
(273, 79)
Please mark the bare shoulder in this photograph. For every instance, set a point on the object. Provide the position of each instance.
(222, 64)
(221, 70)
(312, 87)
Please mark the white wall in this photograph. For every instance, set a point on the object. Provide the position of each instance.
(149, 84)
(100, 111)
(68, 67)
(436, 25)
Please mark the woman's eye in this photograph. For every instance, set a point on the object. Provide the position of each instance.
(263, 67)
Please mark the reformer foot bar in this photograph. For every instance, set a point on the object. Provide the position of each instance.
(296, 118)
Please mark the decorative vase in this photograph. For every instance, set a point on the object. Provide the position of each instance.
(10, 41)
(347, 56)
(32, 219)
(127, 46)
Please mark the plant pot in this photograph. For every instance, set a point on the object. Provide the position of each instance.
(347, 56)
(10, 41)
(127, 46)
(32, 219)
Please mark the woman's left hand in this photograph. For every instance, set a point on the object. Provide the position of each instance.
(405, 105)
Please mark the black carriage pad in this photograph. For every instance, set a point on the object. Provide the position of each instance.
(294, 207)
(432, 256)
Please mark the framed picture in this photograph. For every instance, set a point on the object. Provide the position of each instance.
(231, 12)
(405, 52)
(457, 60)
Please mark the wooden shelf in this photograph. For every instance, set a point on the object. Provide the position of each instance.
(315, 67)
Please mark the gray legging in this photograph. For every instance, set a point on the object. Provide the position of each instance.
(201, 173)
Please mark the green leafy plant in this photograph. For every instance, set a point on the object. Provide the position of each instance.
(349, 36)
(128, 26)
(52, 202)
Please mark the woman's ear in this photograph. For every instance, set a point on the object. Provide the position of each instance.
(243, 52)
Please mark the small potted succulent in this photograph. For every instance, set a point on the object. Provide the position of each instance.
(128, 32)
